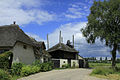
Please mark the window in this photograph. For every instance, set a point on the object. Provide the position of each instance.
(3, 50)
(24, 46)
(63, 61)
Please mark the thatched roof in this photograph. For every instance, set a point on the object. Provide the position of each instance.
(38, 43)
(45, 53)
(62, 47)
(10, 34)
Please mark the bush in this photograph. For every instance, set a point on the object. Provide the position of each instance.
(36, 63)
(4, 75)
(4, 59)
(16, 68)
(36, 67)
(26, 70)
(47, 66)
(43, 66)
(66, 66)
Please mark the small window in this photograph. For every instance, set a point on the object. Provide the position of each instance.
(24, 46)
(2, 51)
(63, 61)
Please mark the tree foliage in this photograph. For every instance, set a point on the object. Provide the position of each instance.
(104, 24)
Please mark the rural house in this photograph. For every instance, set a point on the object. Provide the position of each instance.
(24, 49)
(63, 54)
(40, 51)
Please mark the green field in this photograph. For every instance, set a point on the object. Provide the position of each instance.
(94, 65)
(104, 70)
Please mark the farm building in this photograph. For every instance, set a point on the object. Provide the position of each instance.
(63, 54)
(25, 49)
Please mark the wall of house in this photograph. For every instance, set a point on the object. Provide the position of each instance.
(23, 53)
(63, 62)
(74, 63)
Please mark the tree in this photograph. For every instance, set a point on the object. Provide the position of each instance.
(100, 58)
(104, 24)
(105, 58)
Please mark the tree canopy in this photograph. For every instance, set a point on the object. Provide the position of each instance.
(104, 24)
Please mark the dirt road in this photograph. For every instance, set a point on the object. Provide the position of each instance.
(65, 74)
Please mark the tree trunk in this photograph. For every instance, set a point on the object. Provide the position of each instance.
(114, 56)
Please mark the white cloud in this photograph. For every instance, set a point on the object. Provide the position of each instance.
(77, 10)
(89, 1)
(85, 49)
(23, 12)
(67, 31)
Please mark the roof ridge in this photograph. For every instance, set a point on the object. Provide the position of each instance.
(62, 46)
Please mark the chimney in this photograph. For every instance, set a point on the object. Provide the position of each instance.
(47, 42)
(14, 22)
(73, 41)
(60, 37)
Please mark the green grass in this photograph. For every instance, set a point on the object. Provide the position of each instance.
(94, 65)
(104, 70)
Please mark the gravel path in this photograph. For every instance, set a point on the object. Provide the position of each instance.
(66, 74)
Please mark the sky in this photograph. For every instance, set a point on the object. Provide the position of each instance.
(37, 18)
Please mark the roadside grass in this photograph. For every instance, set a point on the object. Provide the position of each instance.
(94, 65)
(65, 68)
(104, 70)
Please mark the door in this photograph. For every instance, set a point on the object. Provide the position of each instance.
(56, 63)
(69, 62)
(81, 63)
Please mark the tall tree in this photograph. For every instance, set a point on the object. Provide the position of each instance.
(104, 24)
(100, 58)
(105, 58)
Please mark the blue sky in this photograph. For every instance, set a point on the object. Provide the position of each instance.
(37, 18)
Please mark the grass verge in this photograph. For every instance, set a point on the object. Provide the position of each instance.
(106, 72)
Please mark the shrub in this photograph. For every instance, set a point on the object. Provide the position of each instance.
(35, 69)
(66, 66)
(43, 66)
(36, 63)
(50, 66)
(4, 59)
(16, 68)
(26, 70)
(4, 75)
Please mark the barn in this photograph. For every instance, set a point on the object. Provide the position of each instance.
(63, 54)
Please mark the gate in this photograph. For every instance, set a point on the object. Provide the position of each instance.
(56, 63)
(81, 63)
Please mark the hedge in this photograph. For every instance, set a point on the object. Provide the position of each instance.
(5, 62)
(4, 75)
(35, 68)
(16, 68)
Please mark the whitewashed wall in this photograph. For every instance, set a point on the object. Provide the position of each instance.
(63, 62)
(76, 63)
(23, 55)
